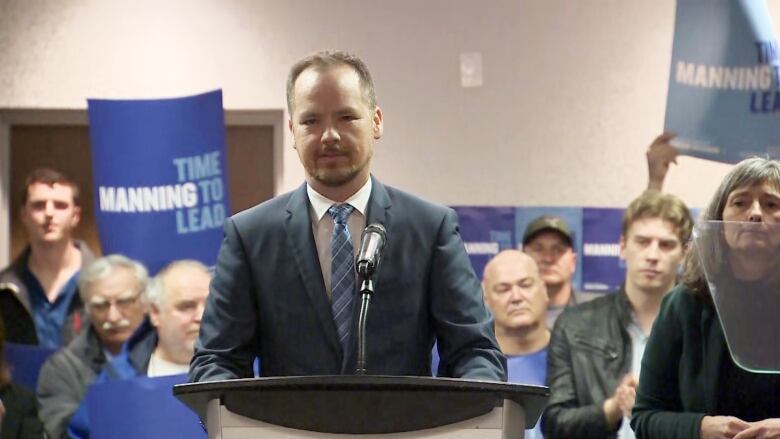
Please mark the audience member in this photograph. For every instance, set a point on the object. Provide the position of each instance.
(284, 288)
(18, 407)
(111, 287)
(515, 294)
(39, 300)
(163, 344)
(690, 386)
(548, 240)
(596, 348)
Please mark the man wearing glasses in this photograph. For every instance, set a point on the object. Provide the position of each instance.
(111, 289)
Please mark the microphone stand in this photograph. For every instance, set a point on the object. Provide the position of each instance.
(366, 290)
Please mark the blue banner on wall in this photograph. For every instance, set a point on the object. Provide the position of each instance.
(160, 180)
(595, 232)
(724, 81)
(602, 268)
(485, 232)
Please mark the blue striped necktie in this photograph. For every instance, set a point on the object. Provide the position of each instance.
(342, 273)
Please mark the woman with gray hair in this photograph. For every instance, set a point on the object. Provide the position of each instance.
(690, 387)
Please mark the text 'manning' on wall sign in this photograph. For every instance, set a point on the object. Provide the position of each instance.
(724, 81)
(160, 180)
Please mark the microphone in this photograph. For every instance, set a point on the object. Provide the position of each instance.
(372, 242)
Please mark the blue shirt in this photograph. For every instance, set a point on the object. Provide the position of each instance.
(528, 369)
(521, 369)
(49, 317)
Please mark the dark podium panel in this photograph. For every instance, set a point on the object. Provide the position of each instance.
(351, 404)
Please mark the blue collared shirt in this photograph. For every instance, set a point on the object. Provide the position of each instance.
(49, 317)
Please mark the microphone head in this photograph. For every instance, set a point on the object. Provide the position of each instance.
(375, 228)
(372, 244)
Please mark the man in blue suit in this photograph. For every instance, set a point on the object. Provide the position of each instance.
(282, 291)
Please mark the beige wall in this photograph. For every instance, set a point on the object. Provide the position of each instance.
(573, 92)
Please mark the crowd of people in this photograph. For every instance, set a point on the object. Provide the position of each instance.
(105, 317)
(649, 360)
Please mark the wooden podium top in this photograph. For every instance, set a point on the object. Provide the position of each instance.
(361, 403)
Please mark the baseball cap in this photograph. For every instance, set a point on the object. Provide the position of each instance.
(545, 223)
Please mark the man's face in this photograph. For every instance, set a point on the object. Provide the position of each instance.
(515, 293)
(50, 214)
(177, 319)
(332, 125)
(114, 307)
(652, 252)
(554, 256)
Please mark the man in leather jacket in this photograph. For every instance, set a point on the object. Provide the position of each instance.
(596, 348)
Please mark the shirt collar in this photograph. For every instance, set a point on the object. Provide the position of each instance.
(321, 204)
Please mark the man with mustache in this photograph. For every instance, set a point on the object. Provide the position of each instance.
(111, 289)
(163, 344)
(285, 288)
(39, 301)
(596, 348)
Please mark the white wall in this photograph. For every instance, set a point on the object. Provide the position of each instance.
(573, 92)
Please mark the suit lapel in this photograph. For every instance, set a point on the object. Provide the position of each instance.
(379, 212)
(300, 238)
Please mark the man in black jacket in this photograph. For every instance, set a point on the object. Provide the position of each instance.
(596, 348)
(39, 299)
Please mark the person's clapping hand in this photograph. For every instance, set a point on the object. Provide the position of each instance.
(626, 394)
(722, 427)
(622, 401)
(766, 429)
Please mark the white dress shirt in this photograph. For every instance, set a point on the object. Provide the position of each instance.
(322, 224)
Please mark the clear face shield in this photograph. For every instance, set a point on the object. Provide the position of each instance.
(741, 261)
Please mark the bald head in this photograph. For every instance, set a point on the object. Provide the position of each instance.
(514, 290)
(177, 298)
(510, 260)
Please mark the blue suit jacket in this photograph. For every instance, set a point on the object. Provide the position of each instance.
(268, 298)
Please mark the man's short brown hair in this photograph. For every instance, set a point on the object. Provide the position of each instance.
(49, 177)
(326, 59)
(653, 204)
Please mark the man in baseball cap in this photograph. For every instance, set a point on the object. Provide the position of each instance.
(548, 240)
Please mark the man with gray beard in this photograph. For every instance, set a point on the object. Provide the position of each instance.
(111, 289)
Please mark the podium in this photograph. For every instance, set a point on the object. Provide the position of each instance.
(365, 406)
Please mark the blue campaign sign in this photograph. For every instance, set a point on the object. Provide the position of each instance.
(160, 180)
(724, 81)
(572, 216)
(26, 362)
(602, 268)
(140, 408)
(485, 232)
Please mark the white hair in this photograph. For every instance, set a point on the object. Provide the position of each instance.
(103, 267)
(155, 292)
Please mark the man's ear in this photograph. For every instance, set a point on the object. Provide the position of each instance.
(154, 315)
(76, 215)
(378, 123)
(622, 247)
